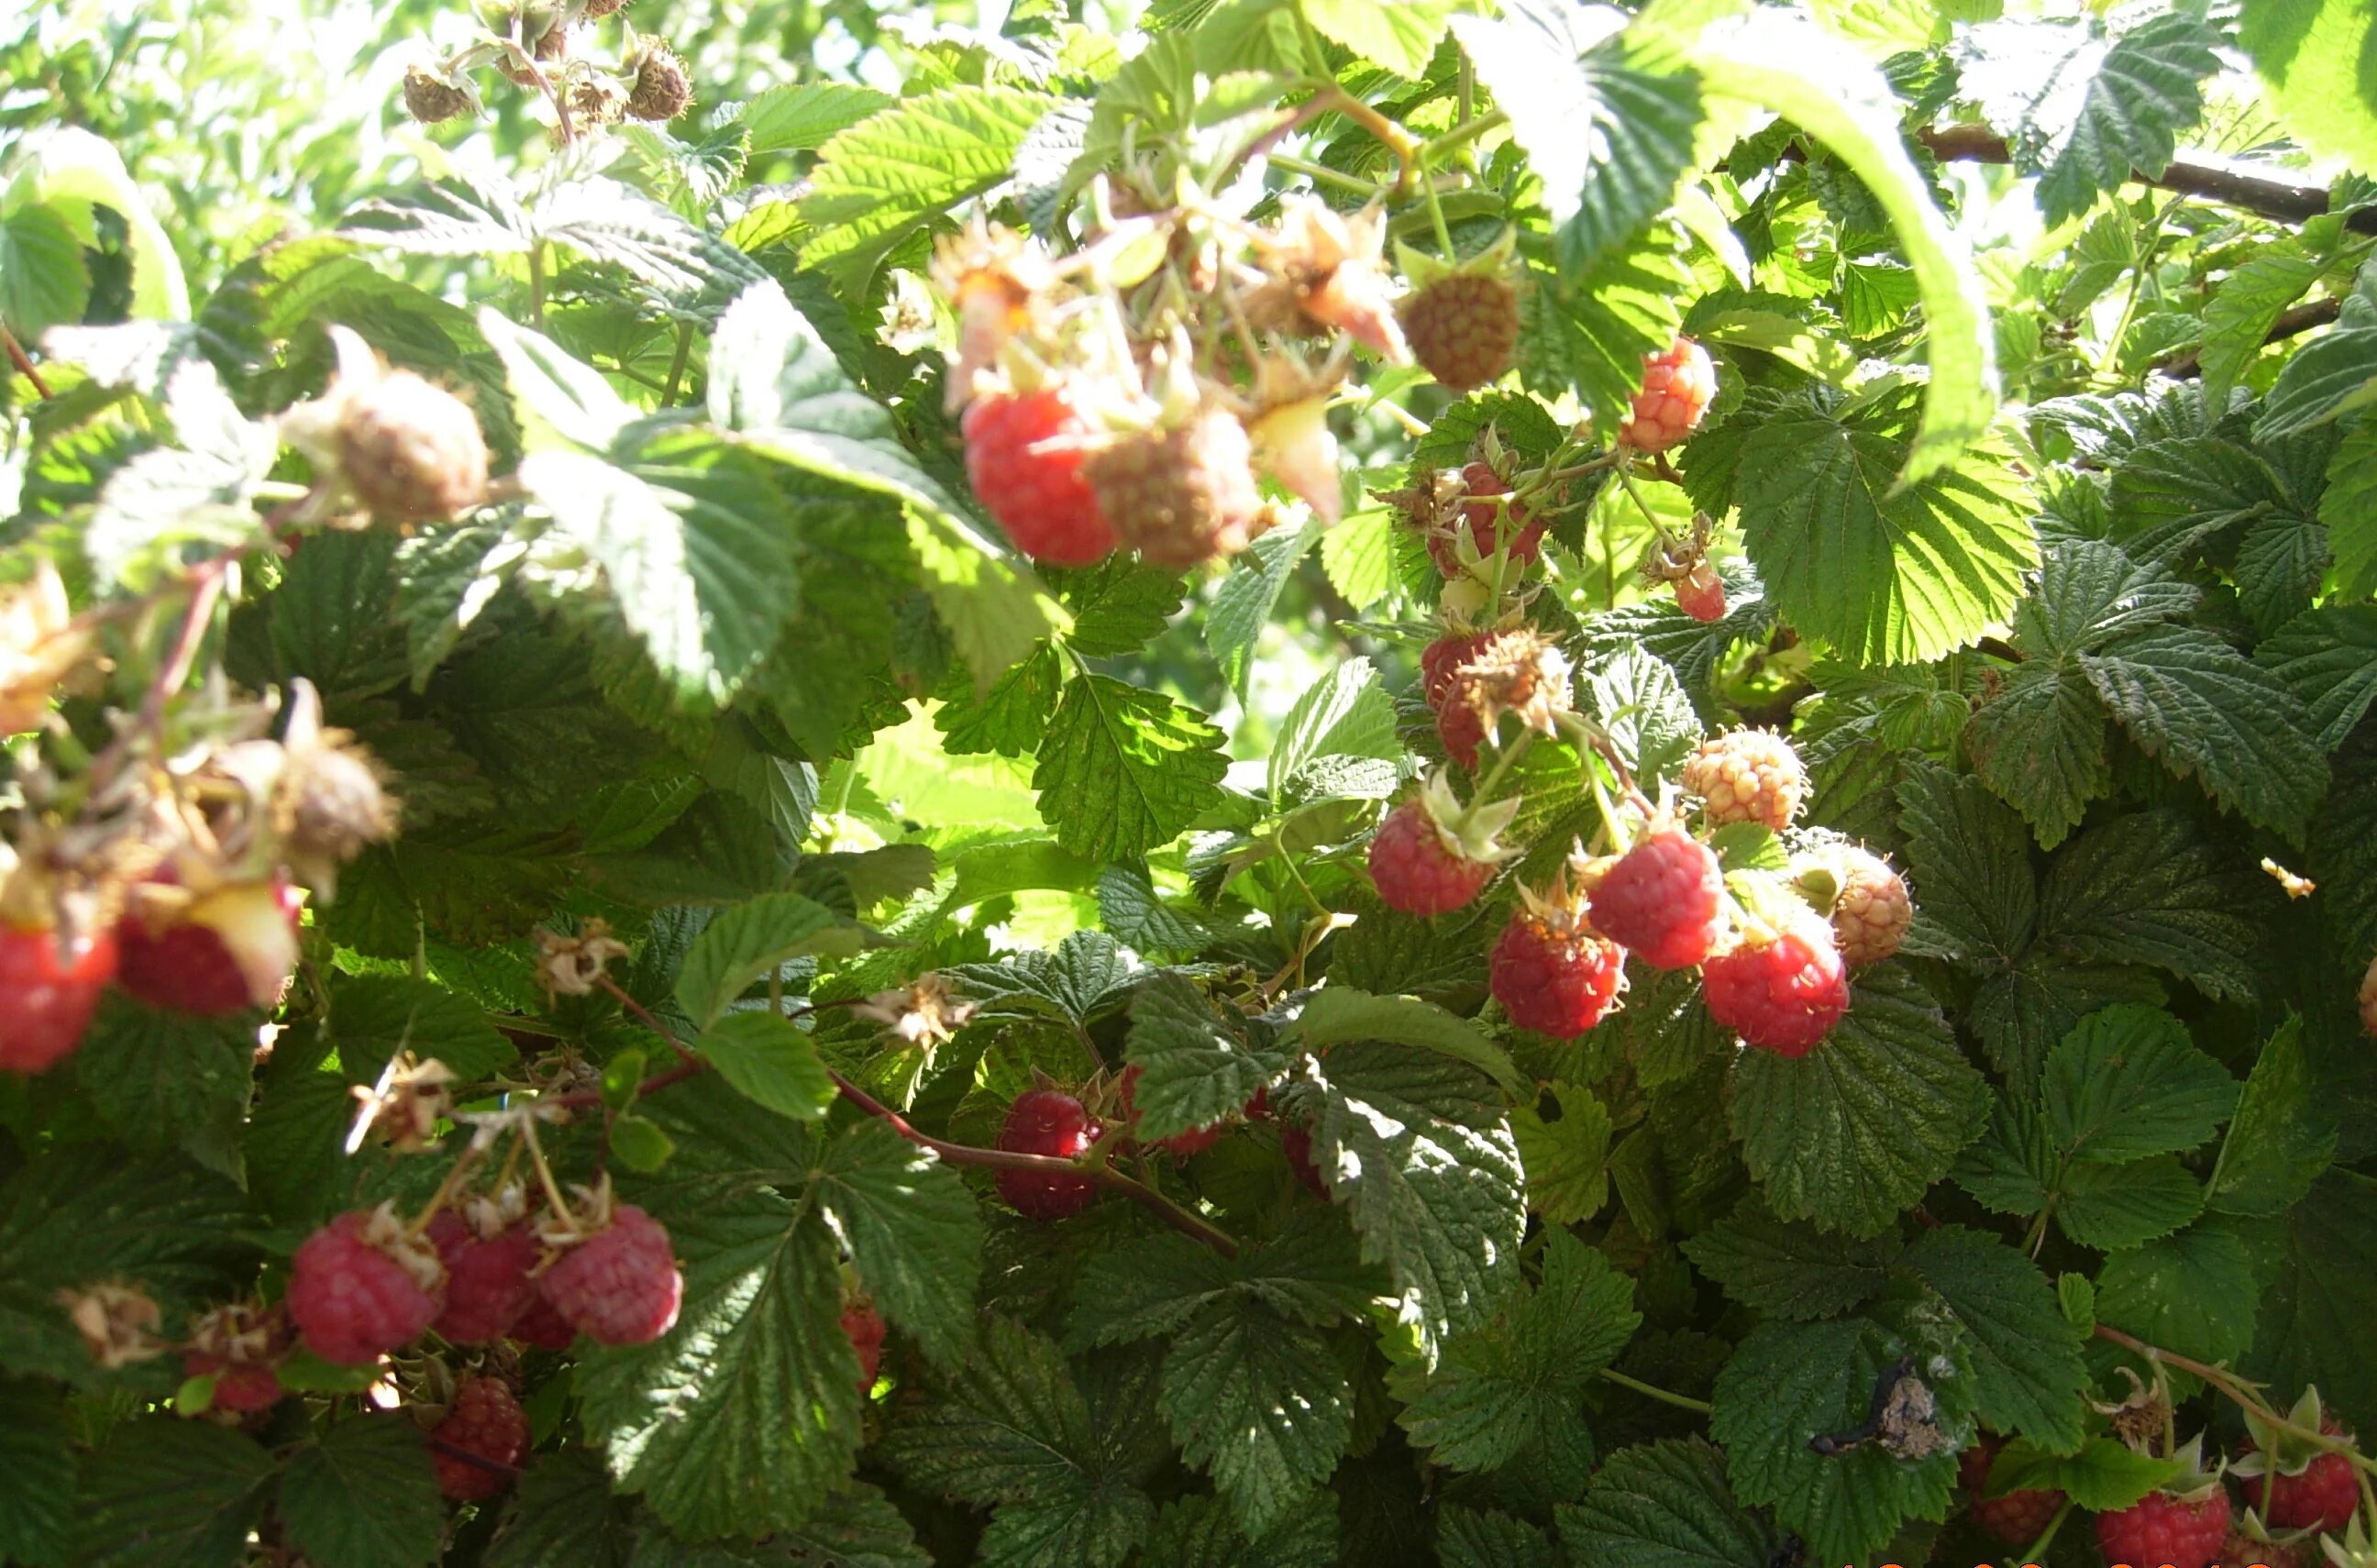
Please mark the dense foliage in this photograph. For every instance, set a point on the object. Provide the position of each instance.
(1292, 781)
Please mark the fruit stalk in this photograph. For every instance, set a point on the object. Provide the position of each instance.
(2242, 1393)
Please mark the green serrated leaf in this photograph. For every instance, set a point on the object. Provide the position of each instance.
(772, 1061)
(1195, 1067)
(1888, 572)
(165, 1493)
(562, 1516)
(37, 1474)
(2027, 1374)
(1566, 1154)
(365, 1494)
(1338, 1014)
(1854, 1131)
(1123, 770)
(744, 943)
(2193, 1292)
(883, 177)
(2130, 1082)
(1665, 1505)
(1417, 1149)
(806, 114)
(912, 1229)
(373, 1017)
(1790, 1271)
(2146, 888)
(2284, 1135)
(1789, 1383)
(2209, 713)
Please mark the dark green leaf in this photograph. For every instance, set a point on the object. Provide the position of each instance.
(1665, 1505)
(1123, 770)
(365, 1494)
(772, 1061)
(164, 1493)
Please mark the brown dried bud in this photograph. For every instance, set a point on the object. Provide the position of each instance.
(569, 966)
(661, 90)
(117, 1321)
(430, 98)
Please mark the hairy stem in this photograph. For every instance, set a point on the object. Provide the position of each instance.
(17, 356)
(2242, 1391)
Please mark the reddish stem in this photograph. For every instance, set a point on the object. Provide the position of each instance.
(25, 368)
(1105, 1176)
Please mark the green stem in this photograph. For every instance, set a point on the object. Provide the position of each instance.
(1680, 1401)
(1468, 130)
(1321, 174)
(1505, 759)
(536, 285)
(676, 366)
(2046, 1537)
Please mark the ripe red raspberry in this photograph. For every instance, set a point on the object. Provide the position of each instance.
(2015, 1518)
(621, 1286)
(47, 994)
(1746, 775)
(2162, 1529)
(2368, 999)
(479, 1445)
(359, 1287)
(412, 450)
(1700, 594)
(1663, 901)
(2322, 1497)
(1050, 1122)
(1440, 658)
(487, 1283)
(1417, 871)
(1782, 994)
(228, 951)
(1023, 457)
(1181, 496)
(1553, 973)
(1180, 1146)
(239, 1345)
(1462, 328)
(1678, 387)
(1296, 1143)
(542, 1327)
(1873, 911)
(864, 1326)
(1490, 520)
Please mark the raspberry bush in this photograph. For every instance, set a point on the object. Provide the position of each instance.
(1323, 783)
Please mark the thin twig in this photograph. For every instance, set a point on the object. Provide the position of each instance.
(1680, 1401)
(2242, 1393)
(643, 1016)
(25, 368)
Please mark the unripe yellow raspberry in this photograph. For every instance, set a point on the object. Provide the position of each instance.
(1747, 776)
(1873, 911)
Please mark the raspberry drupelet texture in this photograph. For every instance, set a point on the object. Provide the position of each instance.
(241, 1387)
(1700, 594)
(1554, 975)
(1050, 1122)
(1747, 775)
(1462, 328)
(2164, 1529)
(487, 1279)
(47, 994)
(2322, 1496)
(542, 1327)
(1781, 993)
(1416, 870)
(1023, 457)
(621, 1286)
(1663, 900)
(2368, 1000)
(1184, 495)
(1180, 1146)
(1441, 658)
(1296, 1143)
(481, 1442)
(1678, 387)
(359, 1288)
(1873, 911)
(412, 451)
(2015, 1518)
(217, 958)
